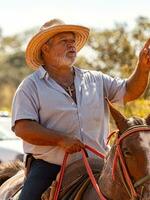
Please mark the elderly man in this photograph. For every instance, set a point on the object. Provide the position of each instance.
(60, 107)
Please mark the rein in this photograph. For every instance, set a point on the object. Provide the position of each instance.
(119, 158)
(88, 168)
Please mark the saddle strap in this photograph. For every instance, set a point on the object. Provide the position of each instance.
(82, 189)
(89, 171)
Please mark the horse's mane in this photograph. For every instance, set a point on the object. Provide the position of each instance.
(9, 169)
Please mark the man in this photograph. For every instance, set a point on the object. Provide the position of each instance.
(60, 107)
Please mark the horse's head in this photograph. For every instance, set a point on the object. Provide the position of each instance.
(128, 162)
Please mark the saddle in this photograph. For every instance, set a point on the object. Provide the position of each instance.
(75, 180)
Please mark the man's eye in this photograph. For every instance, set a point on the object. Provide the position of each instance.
(64, 41)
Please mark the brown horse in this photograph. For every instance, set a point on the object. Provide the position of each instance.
(125, 174)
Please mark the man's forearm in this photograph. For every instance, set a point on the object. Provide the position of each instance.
(138, 81)
(34, 133)
(136, 85)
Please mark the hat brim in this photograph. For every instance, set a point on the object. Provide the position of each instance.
(33, 51)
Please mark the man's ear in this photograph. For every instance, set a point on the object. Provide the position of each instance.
(44, 49)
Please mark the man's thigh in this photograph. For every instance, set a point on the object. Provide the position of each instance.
(40, 177)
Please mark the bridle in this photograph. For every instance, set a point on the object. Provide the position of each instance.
(118, 158)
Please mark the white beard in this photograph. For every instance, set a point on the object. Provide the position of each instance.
(64, 61)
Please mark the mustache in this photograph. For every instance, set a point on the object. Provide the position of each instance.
(71, 50)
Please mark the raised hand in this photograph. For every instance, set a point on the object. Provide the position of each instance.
(144, 57)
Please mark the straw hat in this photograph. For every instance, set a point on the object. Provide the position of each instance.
(48, 30)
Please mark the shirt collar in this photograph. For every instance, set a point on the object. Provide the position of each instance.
(79, 72)
(43, 73)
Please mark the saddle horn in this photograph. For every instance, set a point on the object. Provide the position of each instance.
(120, 120)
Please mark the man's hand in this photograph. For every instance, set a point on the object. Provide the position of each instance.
(137, 82)
(144, 57)
(71, 145)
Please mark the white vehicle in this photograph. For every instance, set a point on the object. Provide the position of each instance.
(10, 145)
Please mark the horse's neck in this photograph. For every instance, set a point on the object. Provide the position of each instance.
(112, 189)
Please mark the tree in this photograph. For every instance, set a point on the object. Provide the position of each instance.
(116, 50)
(113, 51)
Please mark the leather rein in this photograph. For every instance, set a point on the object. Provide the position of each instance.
(88, 168)
(118, 158)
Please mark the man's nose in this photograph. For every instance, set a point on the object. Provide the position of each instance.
(71, 43)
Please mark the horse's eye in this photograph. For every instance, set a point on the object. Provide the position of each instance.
(126, 153)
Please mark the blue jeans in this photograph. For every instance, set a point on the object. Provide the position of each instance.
(40, 177)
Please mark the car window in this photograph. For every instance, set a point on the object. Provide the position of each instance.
(5, 129)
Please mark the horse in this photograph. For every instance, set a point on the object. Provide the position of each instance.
(125, 172)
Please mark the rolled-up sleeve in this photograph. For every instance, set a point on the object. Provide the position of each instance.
(25, 103)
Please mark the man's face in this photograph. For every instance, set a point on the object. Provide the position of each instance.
(61, 49)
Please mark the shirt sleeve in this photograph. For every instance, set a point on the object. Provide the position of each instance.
(25, 103)
(114, 88)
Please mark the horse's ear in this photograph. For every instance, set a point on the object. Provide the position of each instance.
(148, 120)
(120, 120)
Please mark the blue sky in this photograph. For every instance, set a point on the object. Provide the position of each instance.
(19, 15)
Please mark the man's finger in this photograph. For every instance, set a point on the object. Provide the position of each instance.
(147, 44)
